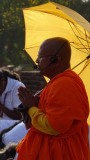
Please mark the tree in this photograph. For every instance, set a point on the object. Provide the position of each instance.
(12, 32)
(12, 29)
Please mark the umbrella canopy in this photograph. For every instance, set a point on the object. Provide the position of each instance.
(54, 20)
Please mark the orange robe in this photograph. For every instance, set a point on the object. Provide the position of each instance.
(65, 104)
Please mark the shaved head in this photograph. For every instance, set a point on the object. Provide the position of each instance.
(56, 46)
(56, 54)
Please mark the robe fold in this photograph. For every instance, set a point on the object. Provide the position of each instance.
(65, 104)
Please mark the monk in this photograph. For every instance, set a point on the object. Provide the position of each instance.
(59, 115)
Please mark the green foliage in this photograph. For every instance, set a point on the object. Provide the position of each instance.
(64, 2)
(12, 29)
(12, 32)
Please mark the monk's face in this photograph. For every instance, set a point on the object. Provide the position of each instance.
(43, 61)
(45, 64)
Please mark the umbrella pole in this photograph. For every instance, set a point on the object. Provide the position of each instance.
(81, 62)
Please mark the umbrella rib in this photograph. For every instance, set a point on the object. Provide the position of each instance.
(86, 39)
(86, 64)
(77, 36)
(79, 32)
(81, 62)
(80, 49)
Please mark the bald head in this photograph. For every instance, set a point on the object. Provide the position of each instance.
(57, 45)
(58, 48)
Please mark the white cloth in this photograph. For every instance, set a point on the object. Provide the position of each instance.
(15, 158)
(6, 123)
(11, 100)
(10, 97)
(15, 135)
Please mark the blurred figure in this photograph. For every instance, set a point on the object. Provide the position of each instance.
(9, 84)
(9, 101)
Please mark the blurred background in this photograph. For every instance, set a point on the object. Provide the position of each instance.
(12, 30)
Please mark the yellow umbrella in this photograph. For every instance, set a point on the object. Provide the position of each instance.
(54, 20)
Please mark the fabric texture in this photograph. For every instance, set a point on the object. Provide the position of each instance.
(6, 123)
(9, 97)
(65, 104)
(40, 121)
(11, 100)
(15, 135)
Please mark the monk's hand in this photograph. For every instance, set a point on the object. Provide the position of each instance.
(27, 99)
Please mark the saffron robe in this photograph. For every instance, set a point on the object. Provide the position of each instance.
(65, 104)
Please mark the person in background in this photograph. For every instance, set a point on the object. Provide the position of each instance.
(9, 84)
(12, 131)
(11, 137)
(59, 128)
(9, 101)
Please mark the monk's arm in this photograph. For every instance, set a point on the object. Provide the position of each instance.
(40, 121)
